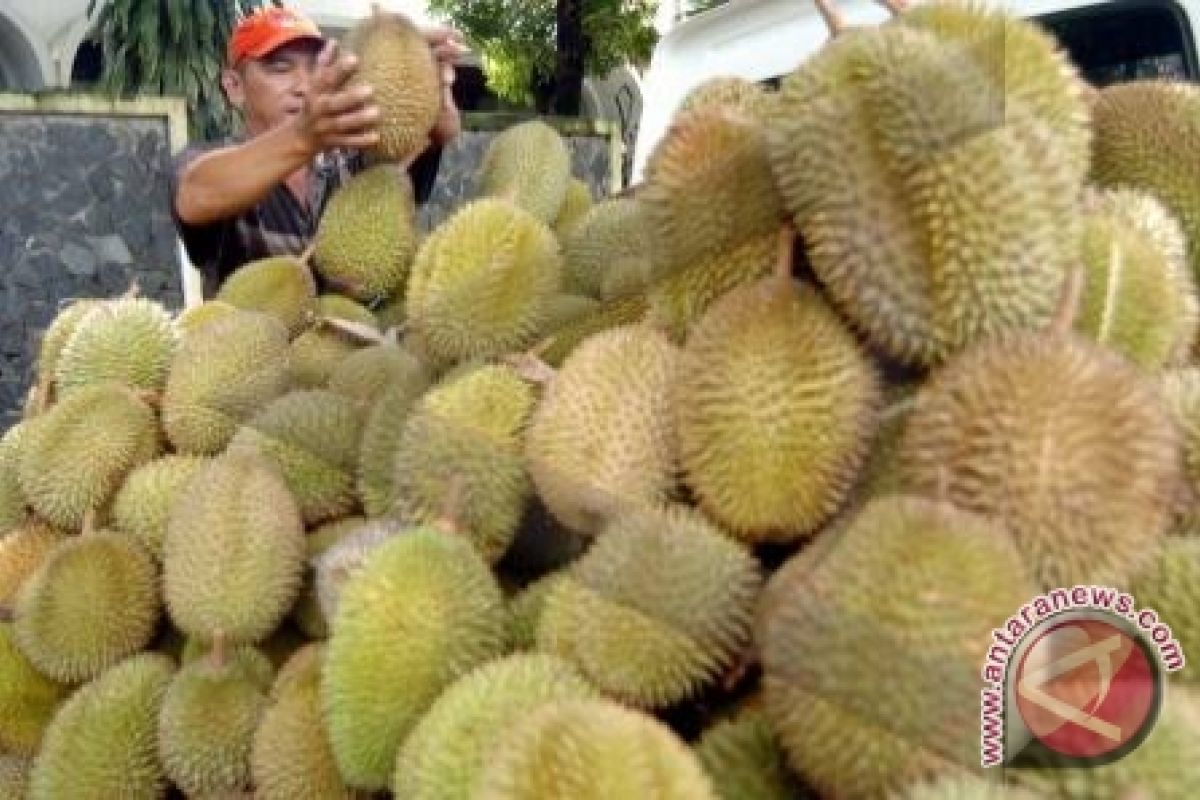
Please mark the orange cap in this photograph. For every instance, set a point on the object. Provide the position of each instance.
(266, 29)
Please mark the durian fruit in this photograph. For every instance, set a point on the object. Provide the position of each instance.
(53, 340)
(482, 282)
(1140, 297)
(337, 306)
(591, 750)
(744, 761)
(312, 437)
(249, 660)
(22, 551)
(933, 208)
(967, 788)
(608, 253)
(28, 699)
(365, 374)
(424, 610)
(565, 308)
(465, 437)
(207, 723)
(1171, 586)
(318, 351)
(1165, 765)
(560, 341)
(1024, 62)
(1145, 137)
(13, 510)
(129, 341)
(291, 758)
(452, 744)
(709, 187)
(367, 236)
(529, 164)
(93, 602)
(525, 609)
(223, 373)
(196, 317)
(913, 583)
(306, 613)
(281, 286)
(390, 313)
(103, 742)
(1064, 442)
(234, 552)
(142, 505)
(1181, 392)
(14, 776)
(681, 298)
(395, 60)
(575, 205)
(602, 433)
(730, 91)
(342, 560)
(75, 456)
(776, 404)
(657, 609)
(381, 435)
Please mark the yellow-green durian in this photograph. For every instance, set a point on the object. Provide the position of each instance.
(142, 505)
(281, 286)
(22, 551)
(744, 760)
(129, 341)
(28, 699)
(530, 165)
(608, 253)
(575, 205)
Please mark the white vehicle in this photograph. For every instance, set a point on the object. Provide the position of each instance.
(763, 40)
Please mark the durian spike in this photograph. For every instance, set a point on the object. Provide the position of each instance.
(1069, 300)
(219, 653)
(832, 16)
(787, 244)
(449, 518)
(530, 367)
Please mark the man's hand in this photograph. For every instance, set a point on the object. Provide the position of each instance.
(336, 115)
(448, 50)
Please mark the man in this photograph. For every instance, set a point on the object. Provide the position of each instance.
(263, 194)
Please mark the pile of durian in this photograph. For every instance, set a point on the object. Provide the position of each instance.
(711, 491)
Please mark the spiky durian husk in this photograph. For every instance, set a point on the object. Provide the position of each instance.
(424, 611)
(129, 341)
(22, 551)
(967, 788)
(28, 699)
(575, 205)
(560, 341)
(934, 210)
(306, 613)
(1171, 586)
(365, 374)
(1061, 440)
(829, 614)
(730, 91)
(367, 236)
(93, 602)
(528, 163)
(602, 433)
(196, 317)
(13, 509)
(14, 776)
(103, 742)
(223, 373)
(396, 62)
(1181, 392)
(381, 436)
(776, 407)
(75, 457)
(280, 286)
(345, 558)
(525, 609)
(54, 339)
(142, 505)
(234, 552)
(608, 254)
(482, 282)
(744, 760)
(451, 745)
(316, 353)
(591, 750)
(656, 609)
(312, 437)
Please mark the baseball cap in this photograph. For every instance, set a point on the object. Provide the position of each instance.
(266, 29)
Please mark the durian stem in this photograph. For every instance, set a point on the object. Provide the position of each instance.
(452, 504)
(89, 522)
(787, 244)
(832, 16)
(1068, 304)
(738, 670)
(220, 652)
(306, 257)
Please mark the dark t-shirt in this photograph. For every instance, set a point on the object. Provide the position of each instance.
(280, 224)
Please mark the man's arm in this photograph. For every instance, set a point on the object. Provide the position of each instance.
(225, 182)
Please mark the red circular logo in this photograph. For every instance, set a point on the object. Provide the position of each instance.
(1086, 688)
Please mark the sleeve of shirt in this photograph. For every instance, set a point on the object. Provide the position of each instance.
(202, 242)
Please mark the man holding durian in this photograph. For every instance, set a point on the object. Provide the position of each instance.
(309, 116)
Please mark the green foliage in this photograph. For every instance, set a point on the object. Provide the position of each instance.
(170, 47)
(517, 39)
(699, 6)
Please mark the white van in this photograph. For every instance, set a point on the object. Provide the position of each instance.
(763, 40)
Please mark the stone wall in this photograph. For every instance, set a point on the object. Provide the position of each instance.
(84, 214)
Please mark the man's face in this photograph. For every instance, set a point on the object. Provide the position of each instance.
(271, 89)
